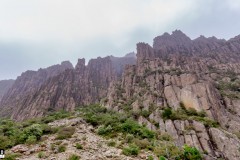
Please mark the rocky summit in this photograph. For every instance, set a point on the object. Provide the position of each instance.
(187, 91)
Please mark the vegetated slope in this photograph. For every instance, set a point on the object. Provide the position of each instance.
(62, 87)
(187, 89)
(181, 74)
(89, 133)
(4, 87)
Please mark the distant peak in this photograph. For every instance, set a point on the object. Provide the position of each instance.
(166, 34)
(177, 32)
(67, 64)
(80, 63)
(172, 40)
(131, 54)
(176, 35)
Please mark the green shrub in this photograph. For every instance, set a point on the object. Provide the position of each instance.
(191, 112)
(61, 148)
(6, 142)
(111, 143)
(145, 113)
(52, 116)
(65, 133)
(150, 158)
(11, 156)
(41, 155)
(74, 157)
(131, 150)
(31, 140)
(162, 158)
(190, 153)
(103, 130)
(142, 144)
(113, 123)
(79, 146)
(164, 137)
(129, 138)
(33, 130)
(52, 147)
(169, 150)
(30, 134)
(167, 112)
(49, 130)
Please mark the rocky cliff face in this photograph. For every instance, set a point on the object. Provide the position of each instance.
(202, 74)
(4, 87)
(120, 62)
(27, 84)
(62, 87)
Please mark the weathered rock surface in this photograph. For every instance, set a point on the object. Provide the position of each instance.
(62, 87)
(200, 74)
(94, 146)
(5, 85)
(27, 85)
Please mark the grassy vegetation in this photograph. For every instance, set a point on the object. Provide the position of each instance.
(131, 150)
(111, 143)
(74, 157)
(134, 136)
(12, 156)
(230, 89)
(79, 146)
(27, 132)
(41, 155)
(61, 148)
(188, 114)
(65, 132)
(110, 123)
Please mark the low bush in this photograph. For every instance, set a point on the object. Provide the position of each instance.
(145, 113)
(131, 150)
(31, 139)
(162, 158)
(61, 148)
(190, 153)
(74, 157)
(30, 131)
(41, 155)
(12, 156)
(129, 138)
(65, 132)
(111, 143)
(142, 144)
(79, 146)
(113, 123)
(167, 113)
(188, 114)
(167, 150)
(150, 158)
(52, 116)
(164, 137)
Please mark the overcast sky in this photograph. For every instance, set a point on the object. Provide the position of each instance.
(40, 33)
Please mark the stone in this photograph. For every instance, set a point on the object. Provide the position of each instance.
(19, 149)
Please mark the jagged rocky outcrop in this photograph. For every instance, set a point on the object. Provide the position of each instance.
(120, 62)
(27, 84)
(62, 87)
(4, 86)
(202, 74)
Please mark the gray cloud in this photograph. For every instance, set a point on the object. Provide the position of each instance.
(36, 33)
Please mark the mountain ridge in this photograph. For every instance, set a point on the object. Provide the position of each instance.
(196, 82)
